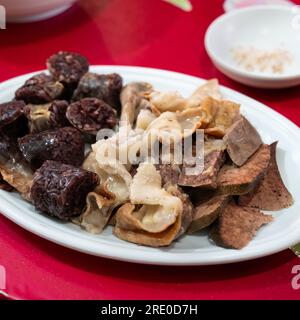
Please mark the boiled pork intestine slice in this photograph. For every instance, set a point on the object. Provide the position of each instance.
(155, 216)
(174, 102)
(159, 208)
(100, 205)
(144, 119)
(114, 190)
(174, 126)
(133, 101)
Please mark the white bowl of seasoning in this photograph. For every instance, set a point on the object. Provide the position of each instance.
(258, 46)
(32, 10)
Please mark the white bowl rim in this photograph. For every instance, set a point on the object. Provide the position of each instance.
(225, 65)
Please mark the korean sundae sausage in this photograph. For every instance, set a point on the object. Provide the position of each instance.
(47, 116)
(89, 115)
(67, 67)
(65, 145)
(41, 88)
(60, 190)
(106, 87)
(12, 119)
(10, 111)
(14, 170)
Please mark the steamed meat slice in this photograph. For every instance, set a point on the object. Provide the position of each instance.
(174, 102)
(160, 208)
(242, 140)
(133, 101)
(237, 226)
(159, 239)
(99, 208)
(144, 118)
(210, 89)
(170, 126)
(167, 101)
(155, 216)
(123, 147)
(207, 212)
(234, 180)
(221, 114)
(113, 175)
(114, 189)
(214, 157)
(271, 194)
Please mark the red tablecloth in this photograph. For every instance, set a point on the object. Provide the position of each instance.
(142, 33)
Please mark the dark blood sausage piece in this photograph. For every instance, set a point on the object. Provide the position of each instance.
(65, 145)
(67, 67)
(41, 88)
(46, 116)
(60, 190)
(10, 111)
(106, 87)
(89, 115)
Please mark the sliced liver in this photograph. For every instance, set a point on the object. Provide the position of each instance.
(206, 213)
(237, 226)
(271, 194)
(242, 141)
(214, 157)
(235, 180)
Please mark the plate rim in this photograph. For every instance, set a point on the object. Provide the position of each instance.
(148, 257)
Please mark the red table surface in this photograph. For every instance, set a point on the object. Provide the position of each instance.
(142, 33)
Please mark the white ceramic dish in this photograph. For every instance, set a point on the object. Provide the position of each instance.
(189, 250)
(33, 10)
(264, 27)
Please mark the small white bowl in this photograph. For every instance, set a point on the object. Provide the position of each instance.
(263, 27)
(34, 10)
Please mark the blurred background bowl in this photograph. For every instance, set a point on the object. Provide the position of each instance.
(34, 10)
(264, 27)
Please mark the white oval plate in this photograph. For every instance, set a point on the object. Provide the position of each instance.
(192, 249)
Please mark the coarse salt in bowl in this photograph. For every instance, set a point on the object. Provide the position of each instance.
(257, 46)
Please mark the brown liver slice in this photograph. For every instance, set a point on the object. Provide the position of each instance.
(271, 194)
(206, 213)
(235, 180)
(237, 226)
(242, 141)
(214, 157)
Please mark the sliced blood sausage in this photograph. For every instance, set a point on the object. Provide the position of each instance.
(67, 67)
(106, 87)
(65, 145)
(60, 190)
(40, 88)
